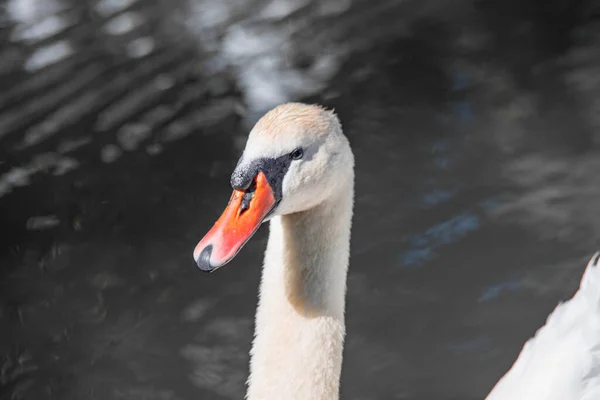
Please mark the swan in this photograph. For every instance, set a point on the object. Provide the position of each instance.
(297, 172)
(562, 360)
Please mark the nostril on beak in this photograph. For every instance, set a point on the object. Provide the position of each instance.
(248, 195)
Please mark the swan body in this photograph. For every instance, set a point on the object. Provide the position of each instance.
(297, 169)
(562, 360)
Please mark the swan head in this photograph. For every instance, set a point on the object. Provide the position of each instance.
(296, 158)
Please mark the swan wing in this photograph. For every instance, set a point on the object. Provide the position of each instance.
(562, 360)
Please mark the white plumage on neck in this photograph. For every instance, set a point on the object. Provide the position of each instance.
(297, 351)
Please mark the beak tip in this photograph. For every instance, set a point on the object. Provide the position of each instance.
(203, 259)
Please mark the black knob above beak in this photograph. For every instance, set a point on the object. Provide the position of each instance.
(243, 175)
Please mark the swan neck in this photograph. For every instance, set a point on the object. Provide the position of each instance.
(315, 264)
(297, 352)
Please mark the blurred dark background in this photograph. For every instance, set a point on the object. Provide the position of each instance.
(475, 126)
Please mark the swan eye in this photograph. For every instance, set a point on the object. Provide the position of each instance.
(297, 154)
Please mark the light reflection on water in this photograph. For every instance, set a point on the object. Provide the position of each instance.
(123, 23)
(48, 55)
(256, 51)
(47, 27)
(31, 11)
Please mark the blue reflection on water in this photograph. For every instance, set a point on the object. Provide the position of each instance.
(437, 196)
(470, 345)
(460, 81)
(416, 257)
(490, 204)
(464, 111)
(442, 162)
(446, 232)
(494, 291)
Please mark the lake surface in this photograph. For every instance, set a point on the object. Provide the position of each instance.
(475, 131)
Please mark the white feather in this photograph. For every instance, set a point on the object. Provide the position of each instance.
(562, 360)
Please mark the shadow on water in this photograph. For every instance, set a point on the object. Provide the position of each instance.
(475, 207)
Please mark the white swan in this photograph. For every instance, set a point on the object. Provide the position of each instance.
(297, 171)
(562, 360)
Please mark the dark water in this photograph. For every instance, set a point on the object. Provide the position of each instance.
(475, 130)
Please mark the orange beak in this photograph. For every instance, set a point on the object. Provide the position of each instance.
(240, 220)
